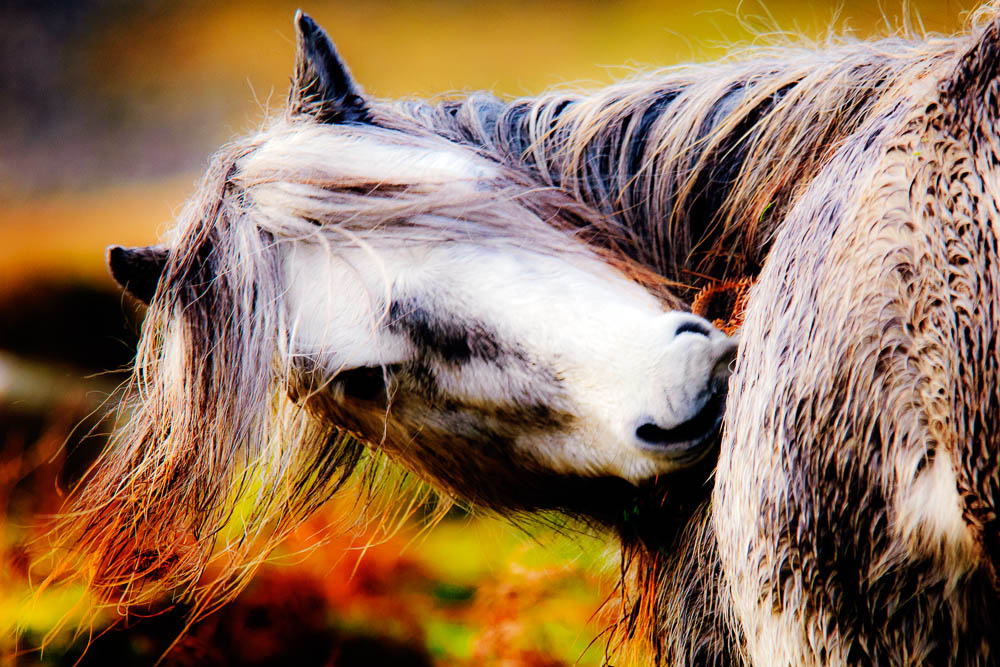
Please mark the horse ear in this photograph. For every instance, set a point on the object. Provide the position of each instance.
(974, 87)
(137, 270)
(323, 87)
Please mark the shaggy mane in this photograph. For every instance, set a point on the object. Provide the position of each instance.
(212, 430)
(699, 162)
(678, 177)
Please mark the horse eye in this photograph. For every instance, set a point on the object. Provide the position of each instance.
(366, 383)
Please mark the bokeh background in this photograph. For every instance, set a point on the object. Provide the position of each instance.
(108, 111)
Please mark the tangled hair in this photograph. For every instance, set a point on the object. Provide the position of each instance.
(192, 450)
(218, 423)
(699, 162)
(678, 176)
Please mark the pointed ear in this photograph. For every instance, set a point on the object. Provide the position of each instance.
(137, 270)
(323, 87)
(973, 89)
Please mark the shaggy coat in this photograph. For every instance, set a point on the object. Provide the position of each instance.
(851, 517)
(855, 502)
(853, 514)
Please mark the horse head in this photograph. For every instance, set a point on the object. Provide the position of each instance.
(346, 276)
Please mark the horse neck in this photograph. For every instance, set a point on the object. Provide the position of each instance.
(697, 163)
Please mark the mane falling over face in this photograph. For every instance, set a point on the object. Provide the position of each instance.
(475, 289)
(347, 282)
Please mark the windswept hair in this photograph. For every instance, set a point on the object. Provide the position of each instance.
(676, 176)
(210, 430)
(699, 162)
(217, 456)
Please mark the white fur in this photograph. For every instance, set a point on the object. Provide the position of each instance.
(609, 341)
(610, 353)
(929, 514)
(365, 156)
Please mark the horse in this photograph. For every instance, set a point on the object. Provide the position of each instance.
(852, 514)
(846, 515)
(348, 282)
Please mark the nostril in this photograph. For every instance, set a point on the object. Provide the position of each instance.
(692, 326)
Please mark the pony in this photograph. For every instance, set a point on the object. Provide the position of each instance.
(847, 515)
(349, 286)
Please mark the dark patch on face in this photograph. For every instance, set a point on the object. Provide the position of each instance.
(544, 416)
(423, 379)
(524, 418)
(446, 437)
(453, 340)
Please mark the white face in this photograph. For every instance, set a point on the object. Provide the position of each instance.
(459, 351)
(593, 376)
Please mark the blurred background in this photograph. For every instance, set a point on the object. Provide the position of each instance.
(109, 110)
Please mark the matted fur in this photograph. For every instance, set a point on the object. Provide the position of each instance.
(872, 463)
(705, 164)
(686, 174)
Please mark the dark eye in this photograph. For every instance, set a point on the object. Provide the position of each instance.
(366, 383)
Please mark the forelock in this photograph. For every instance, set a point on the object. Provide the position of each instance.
(358, 155)
(340, 184)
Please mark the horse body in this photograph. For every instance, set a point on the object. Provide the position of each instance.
(863, 530)
(851, 517)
